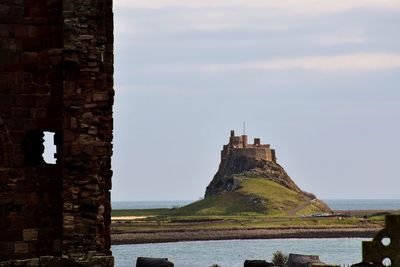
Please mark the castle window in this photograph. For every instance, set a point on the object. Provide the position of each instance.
(39, 148)
(50, 148)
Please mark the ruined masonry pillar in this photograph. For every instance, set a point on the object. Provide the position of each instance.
(88, 99)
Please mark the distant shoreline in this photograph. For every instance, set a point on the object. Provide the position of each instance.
(335, 204)
(145, 237)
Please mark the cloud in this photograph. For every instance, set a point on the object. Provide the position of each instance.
(284, 6)
(199, 20)
(357, 62)
(152, 89)
(332, 40)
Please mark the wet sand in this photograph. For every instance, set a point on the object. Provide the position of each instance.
(227, 234)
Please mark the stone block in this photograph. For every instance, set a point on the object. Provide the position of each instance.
(101, 261)
(57, 245)
(4, 10)
(61, 262)
(97, 97)
(30, 58)
(21, 247)
(33, 262)
(10, 234)
(39, 113)
(6, 249)
(30, 234)
(21, 30)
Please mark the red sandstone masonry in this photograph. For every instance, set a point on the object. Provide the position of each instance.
(56, 74)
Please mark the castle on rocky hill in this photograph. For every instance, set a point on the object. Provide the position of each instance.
(239, 147)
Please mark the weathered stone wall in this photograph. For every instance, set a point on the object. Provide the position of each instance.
(253, 152)
(56, 74)
(30, 100)
(239, 147)
(88, 99)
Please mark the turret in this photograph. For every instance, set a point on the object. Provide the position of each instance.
(239, 146)
(244, 141)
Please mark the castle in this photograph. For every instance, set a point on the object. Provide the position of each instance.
(239, 147)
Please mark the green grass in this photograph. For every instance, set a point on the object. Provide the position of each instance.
(140, 212)
(237, 222)
(278, 199)
(255, 196)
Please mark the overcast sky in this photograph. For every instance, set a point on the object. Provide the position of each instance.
(318, 80)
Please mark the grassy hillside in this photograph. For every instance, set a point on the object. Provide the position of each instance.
(255, 196)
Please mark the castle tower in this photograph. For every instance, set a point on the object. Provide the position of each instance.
(244, 141)
(56, 75)
(239, 146)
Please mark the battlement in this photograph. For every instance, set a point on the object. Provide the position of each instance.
(239, 146)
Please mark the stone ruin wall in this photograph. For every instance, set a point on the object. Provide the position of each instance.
(56, 75)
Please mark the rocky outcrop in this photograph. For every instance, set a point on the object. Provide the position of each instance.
(257, 263)
(235, 168)
(153, 262)
(224, 179)
(297, 260)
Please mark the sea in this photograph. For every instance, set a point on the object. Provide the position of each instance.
(233, 253)
(335, 204)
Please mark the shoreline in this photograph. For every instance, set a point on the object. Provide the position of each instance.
(124, 238)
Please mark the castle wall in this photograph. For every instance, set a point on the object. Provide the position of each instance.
(56, 74)
(257, 153)
(238, 146)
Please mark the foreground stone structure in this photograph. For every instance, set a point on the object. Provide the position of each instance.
(384, 249)
(298, 260)
(56, 75)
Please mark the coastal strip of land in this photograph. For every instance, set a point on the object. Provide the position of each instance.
(227, 234)
(158, 226)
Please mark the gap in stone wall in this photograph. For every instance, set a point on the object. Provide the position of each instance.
(50, 148)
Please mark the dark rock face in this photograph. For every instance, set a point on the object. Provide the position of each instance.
(237, 165)
(297, 260)
(224, 181)
(257, 263)
(362, 264)
(153, 262)
(60, 262)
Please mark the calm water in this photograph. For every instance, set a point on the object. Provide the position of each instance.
(335, 204)
(363, 204)
(232, 253)
(149, 204)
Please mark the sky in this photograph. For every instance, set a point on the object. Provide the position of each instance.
(318, 80)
